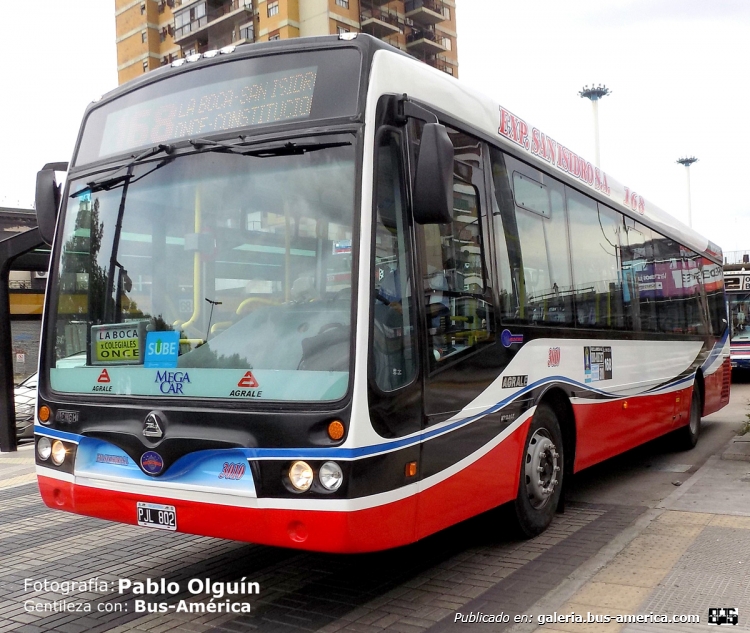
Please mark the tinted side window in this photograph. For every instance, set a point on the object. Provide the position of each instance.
(713, 283)
(635, 249)
(669, 292)
(695, 300)
(532, 244)
(595, 243)
(457, 291)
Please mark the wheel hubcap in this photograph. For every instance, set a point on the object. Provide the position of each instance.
(541, 468)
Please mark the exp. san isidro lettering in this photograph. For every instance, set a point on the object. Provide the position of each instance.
(515, 129)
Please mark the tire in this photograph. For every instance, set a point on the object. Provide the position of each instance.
(537, 499)
(687, 436)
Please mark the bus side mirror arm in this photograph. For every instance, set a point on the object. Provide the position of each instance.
(432, 196)
(404, 109)
(48, 200)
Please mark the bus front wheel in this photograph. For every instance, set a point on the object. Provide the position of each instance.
(542, 469)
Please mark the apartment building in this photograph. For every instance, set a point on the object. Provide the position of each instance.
(152, 33)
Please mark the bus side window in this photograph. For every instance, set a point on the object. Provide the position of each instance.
(713, 284)
(532, 244)
(393, 345)
(595, 245)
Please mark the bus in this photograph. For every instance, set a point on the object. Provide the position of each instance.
(317, 294)
(737, 286)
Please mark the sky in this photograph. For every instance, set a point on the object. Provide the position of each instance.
(679, 71)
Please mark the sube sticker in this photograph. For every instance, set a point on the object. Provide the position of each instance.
(162, 349)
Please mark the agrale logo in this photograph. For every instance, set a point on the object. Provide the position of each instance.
(250, 384)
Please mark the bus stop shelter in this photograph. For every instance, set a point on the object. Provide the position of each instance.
(18, 252)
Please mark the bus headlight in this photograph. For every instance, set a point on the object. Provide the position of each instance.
(43, 448)
(58, 452)
(301, 476)
(331, 476)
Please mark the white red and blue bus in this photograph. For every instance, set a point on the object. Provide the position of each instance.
(317, 294)
(737, 287)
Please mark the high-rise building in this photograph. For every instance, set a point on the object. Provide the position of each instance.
(153, 33)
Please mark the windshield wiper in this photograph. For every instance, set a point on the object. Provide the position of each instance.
(202, 145)
(265, 151)
(112, 181)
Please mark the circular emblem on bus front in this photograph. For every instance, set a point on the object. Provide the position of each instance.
(152, 463)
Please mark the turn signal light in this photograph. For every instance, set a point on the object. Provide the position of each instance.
(411, 469)
(625, 404)
(44, 413)
(336, 430)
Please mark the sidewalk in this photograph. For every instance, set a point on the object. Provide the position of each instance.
(689, 554)
(17, 469)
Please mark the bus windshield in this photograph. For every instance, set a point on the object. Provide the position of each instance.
(739, 312)
(211, 274)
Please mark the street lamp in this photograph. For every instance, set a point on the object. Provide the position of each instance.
(594, 93)
(687, 161)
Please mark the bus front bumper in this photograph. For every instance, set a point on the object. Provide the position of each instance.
(370, 529)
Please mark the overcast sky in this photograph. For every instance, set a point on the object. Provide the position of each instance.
(678, 71)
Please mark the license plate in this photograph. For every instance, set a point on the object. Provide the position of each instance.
(156, 515)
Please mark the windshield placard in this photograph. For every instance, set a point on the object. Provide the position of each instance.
(216, 107)
(118, 343)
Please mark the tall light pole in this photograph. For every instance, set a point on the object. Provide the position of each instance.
(594, 93)
(687, 161)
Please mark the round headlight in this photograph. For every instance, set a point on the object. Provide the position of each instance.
(58, 452)
(43, 448)
(331, 476)
(301, 476)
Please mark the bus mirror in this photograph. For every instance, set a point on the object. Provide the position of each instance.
(48, 200)
(433, 185)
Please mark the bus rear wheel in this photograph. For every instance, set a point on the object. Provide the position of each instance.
(688, 435)
(542, 469)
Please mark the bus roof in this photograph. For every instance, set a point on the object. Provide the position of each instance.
(393, 72)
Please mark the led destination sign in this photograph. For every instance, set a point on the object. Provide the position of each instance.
(236, 103)
(236, 94)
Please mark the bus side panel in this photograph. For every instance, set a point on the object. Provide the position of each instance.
(717, 387)
(607, 428)
(485, 484)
